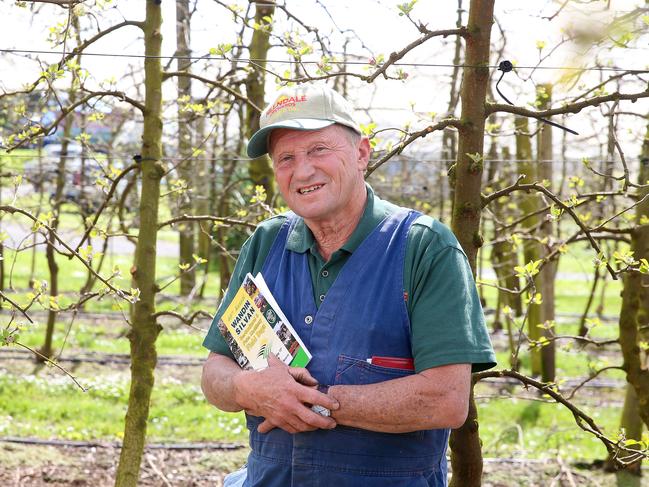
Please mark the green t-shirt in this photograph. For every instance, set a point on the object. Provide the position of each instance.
(447, 323)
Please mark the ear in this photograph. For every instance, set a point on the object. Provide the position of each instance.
(364, 151)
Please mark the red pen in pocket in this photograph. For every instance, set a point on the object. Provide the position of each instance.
(394, 362)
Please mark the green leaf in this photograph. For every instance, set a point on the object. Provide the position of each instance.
(406, 8)
(644, 266)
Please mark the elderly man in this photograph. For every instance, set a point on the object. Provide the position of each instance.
(382, 296)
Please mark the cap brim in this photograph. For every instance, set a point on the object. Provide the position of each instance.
(258, 144)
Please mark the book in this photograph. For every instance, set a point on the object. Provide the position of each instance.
(254, 326)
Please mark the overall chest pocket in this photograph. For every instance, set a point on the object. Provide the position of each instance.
(356, 371)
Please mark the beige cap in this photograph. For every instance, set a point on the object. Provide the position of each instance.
(301, 108)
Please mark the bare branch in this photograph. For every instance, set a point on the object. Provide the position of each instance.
(214, 83)
(449, 122)
(584, 421)
(569, 108)
(16, 305)
(591, 377)
(13, 209)
(199, 218)
(542, 189)
(109, 195)
(51, 362)
(187, 320)
(60, 3)
(396, 56)
(65, 111)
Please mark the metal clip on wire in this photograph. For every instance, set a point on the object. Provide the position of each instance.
(506, 67)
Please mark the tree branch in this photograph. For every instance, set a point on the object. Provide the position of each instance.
(77, 50)
(211, 82)
(13, 209)
(569, 108)
(542, 189)
(396, 56)
(60, 3)
(584, 421)
(65, 111)
(199, 218)
(187, 320)
(15, 305)
(109, 195)
(449, 122)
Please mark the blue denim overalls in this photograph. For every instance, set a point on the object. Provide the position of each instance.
(363, 314)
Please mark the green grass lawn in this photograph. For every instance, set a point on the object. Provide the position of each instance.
(519, 428)
(46, 406)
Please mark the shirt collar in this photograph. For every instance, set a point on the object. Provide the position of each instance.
(301, 239)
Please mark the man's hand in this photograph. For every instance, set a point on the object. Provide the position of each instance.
(281, 394)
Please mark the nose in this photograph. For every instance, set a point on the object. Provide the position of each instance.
(304, 168)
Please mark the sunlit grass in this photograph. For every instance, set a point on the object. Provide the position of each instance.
(46, 406)
(519, 428)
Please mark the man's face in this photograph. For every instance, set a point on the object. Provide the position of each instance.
(319, 172)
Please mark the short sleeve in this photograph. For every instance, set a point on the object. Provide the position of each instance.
(251, 260)
(447, 321)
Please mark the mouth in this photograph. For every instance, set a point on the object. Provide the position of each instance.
(310, 189)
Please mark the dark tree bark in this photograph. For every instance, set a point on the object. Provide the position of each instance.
(144, 328)
(532, 251)
(634, 314)
(50, 254)
(260, 169)
(548, 273)
(187, 230)
(466, 455)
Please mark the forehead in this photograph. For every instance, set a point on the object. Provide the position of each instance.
(288, 138)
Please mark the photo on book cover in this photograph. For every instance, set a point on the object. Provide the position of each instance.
(254, 326)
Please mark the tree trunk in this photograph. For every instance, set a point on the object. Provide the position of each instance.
(202, 204)
(186, 171)
(50, 253)
(466, 455)
(144, 329)
(547, 275)
(449, 152)
(2, 262)
(531, 248)
(260, 169)
(634, 314)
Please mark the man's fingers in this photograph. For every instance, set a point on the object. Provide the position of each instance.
(312, 396)
(303, 376)
(265, 426)
(273, 361)
(311, 418)
(291, 425)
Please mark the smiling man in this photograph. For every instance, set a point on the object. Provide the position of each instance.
(382, 296)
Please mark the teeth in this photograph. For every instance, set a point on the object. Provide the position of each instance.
(310, 189)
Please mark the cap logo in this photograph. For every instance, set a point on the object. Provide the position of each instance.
(285, 102)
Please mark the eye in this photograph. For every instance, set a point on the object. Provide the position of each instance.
(319, 149)
(284, 159)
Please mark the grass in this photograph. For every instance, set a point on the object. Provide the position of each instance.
(518, 428)
(47, 406)
(110, 337)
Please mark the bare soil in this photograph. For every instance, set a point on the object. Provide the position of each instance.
(53, 466)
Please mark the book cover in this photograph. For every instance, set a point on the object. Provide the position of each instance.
(254, 326)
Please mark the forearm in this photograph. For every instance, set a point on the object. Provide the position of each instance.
(436, 398)
(278, 393)
(217, 382)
